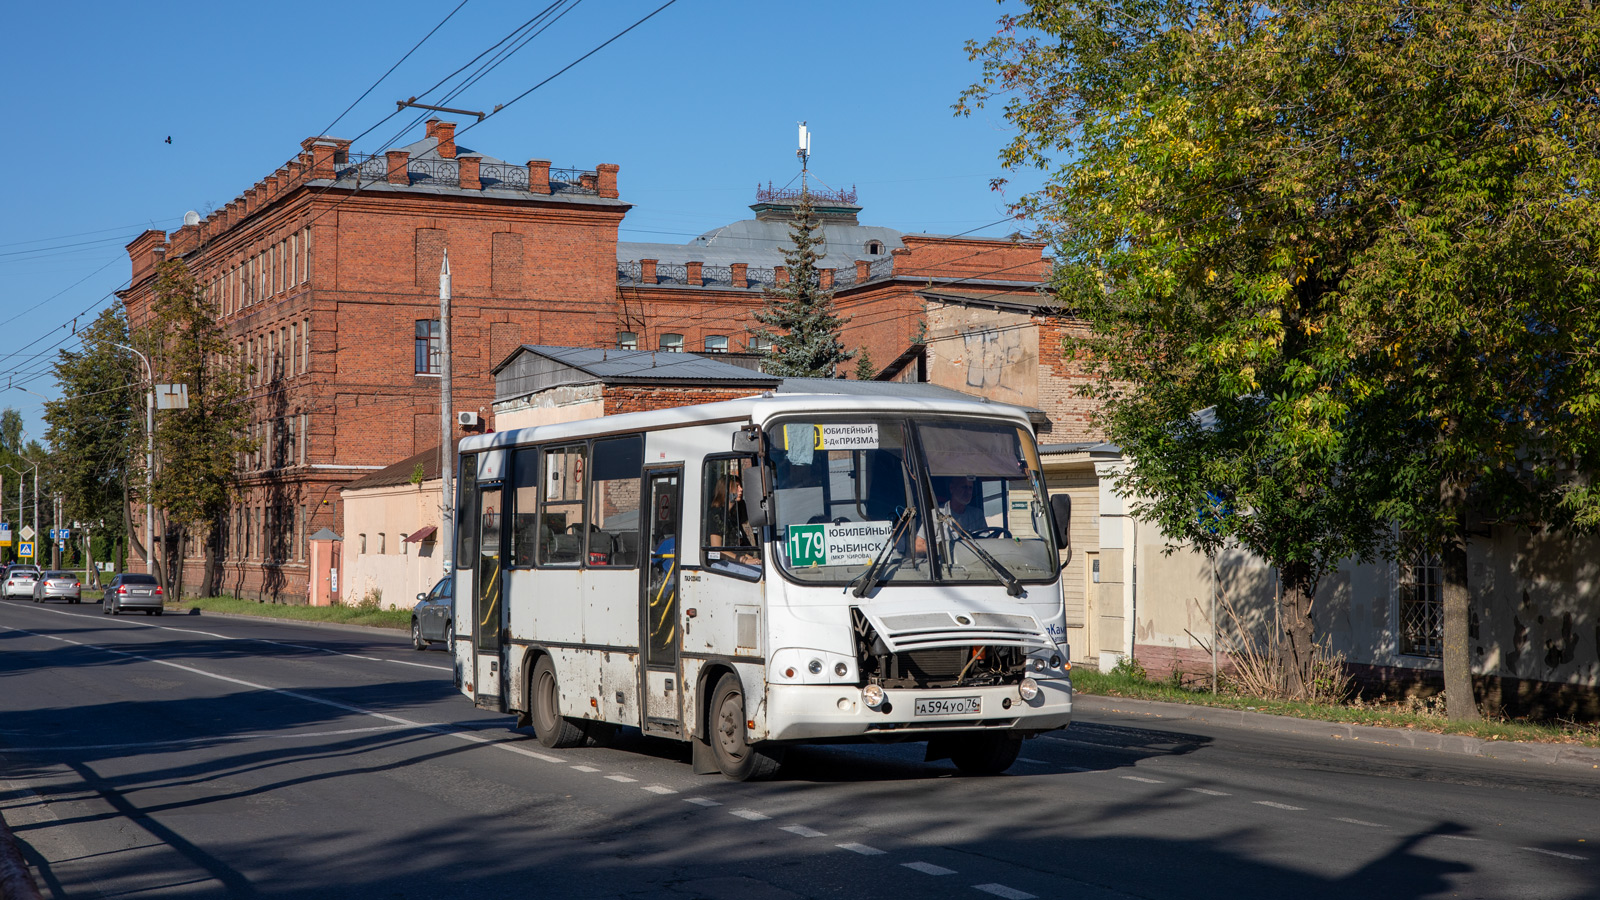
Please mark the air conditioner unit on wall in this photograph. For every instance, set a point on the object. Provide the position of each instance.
(466, 419)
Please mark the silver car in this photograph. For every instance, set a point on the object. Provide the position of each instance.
(132, 590)
(19, 581)
(58, 586)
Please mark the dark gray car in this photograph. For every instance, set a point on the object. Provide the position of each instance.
(132, 590)
(432, 619)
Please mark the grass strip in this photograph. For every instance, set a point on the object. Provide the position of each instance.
(344, 615)
(1108, 684)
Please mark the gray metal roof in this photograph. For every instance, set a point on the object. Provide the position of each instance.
(761, 242)
(1094, 448)
(533, 367)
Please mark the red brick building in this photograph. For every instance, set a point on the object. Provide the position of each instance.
(326, 275)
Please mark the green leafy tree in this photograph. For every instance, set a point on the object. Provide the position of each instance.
(1359, 234)
(196, 480)
(93, 429)
(798, 318)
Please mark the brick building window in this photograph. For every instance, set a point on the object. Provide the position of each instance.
(1420, 606)
(627, 340)
(305, 345)
(427, 347)
(294, 259)
(305, 251)
(759, 344)
(716, 343)
(672, 343)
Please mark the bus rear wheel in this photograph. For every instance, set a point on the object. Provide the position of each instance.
(985, 753)
(730, 745)
(552, 730)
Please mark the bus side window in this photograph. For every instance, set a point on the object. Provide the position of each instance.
(728, 544)
(614, 502)
(562, 510)
(526, 535)
(467, 512)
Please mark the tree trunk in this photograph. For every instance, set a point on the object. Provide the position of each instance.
(208, 584)
(1296, 650)
(175, 557)
(1460, 703)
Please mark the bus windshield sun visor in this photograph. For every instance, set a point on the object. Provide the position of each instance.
(980, 451)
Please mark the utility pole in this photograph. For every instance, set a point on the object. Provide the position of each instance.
(55, 530)
(447, 446)
(149, 462)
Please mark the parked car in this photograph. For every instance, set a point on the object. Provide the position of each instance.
(433, 618)
(19, 581)
(131, 591)
(54, 585)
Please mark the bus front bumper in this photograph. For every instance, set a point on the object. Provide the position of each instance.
(798, 712)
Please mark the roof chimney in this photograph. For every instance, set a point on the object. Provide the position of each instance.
(445, 133)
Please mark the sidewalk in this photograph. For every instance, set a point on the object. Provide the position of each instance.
(1574, 755)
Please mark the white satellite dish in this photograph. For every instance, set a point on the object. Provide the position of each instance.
(191, 218)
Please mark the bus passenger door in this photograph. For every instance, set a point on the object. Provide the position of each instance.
(487, 609)
(658, 603)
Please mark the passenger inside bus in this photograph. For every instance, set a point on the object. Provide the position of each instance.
(730, 543)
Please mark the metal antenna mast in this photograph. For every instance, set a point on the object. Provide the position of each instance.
(805, 155)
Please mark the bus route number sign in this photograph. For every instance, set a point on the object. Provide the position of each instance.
(808, 545)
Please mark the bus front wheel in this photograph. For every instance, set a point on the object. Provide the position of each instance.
(730, 746)
(552, 730)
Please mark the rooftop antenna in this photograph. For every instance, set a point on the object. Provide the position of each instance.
(805, 155)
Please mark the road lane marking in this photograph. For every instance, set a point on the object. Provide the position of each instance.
(701, 801)
(1555, 853)
(1033, 762)
(434, 728)
(802, 830)
(585, 768)
(1280, 806)
(1009, 893)
(862, 849)
(1359, 822)
(1145, 780)
(750, 814)
(1209, 792)
(622, 778)
(928, 868)
(659, 789)
(220, 739)
(1457, 837)
(227, 637)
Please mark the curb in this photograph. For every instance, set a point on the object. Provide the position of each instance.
(16, 882)
(1573, 755)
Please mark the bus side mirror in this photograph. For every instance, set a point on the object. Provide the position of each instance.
(747, 440)
(1061, 513)
(755, 496)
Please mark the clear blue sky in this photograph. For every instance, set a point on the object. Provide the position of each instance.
(698, 105)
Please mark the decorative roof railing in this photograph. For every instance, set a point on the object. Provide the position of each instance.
(503, 175)
(769, 194)
(632, 272)
(573, 181)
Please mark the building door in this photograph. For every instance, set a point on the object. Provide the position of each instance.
(488, 612)
(1091, 609)
(661, 636)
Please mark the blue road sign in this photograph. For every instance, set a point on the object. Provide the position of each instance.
(25, 549)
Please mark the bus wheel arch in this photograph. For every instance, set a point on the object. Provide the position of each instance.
(544, 708)
(728, 735)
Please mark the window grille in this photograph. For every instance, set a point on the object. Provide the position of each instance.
(1421, 606)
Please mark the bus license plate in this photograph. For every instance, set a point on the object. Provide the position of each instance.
(948, 706)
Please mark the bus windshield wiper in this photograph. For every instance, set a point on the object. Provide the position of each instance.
(1013, 586)
(868, 579)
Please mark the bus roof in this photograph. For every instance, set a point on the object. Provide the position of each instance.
(756, 410)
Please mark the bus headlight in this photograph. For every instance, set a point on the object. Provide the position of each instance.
(872, 696)
(1029, 689)
(815, 666)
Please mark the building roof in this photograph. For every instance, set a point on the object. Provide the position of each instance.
(401, 472)
(533, 367)
(1028, 300)
(432, 172)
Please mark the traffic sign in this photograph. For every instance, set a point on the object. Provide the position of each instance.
(27, 532)
(25, 549)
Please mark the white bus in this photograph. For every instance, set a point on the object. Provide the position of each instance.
(755, 573)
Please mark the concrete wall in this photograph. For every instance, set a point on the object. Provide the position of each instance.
(401, 570)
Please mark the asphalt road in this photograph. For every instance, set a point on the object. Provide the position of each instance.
(208, 757)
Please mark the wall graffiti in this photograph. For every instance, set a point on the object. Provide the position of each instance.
(992, 359)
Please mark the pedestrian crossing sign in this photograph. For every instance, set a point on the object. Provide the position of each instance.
(25, 549)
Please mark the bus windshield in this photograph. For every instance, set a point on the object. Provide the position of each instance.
(914, 500)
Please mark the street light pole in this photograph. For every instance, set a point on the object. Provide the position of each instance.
(149, 458)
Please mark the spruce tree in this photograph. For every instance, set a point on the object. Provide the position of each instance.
(798, 319)
(865, 370)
